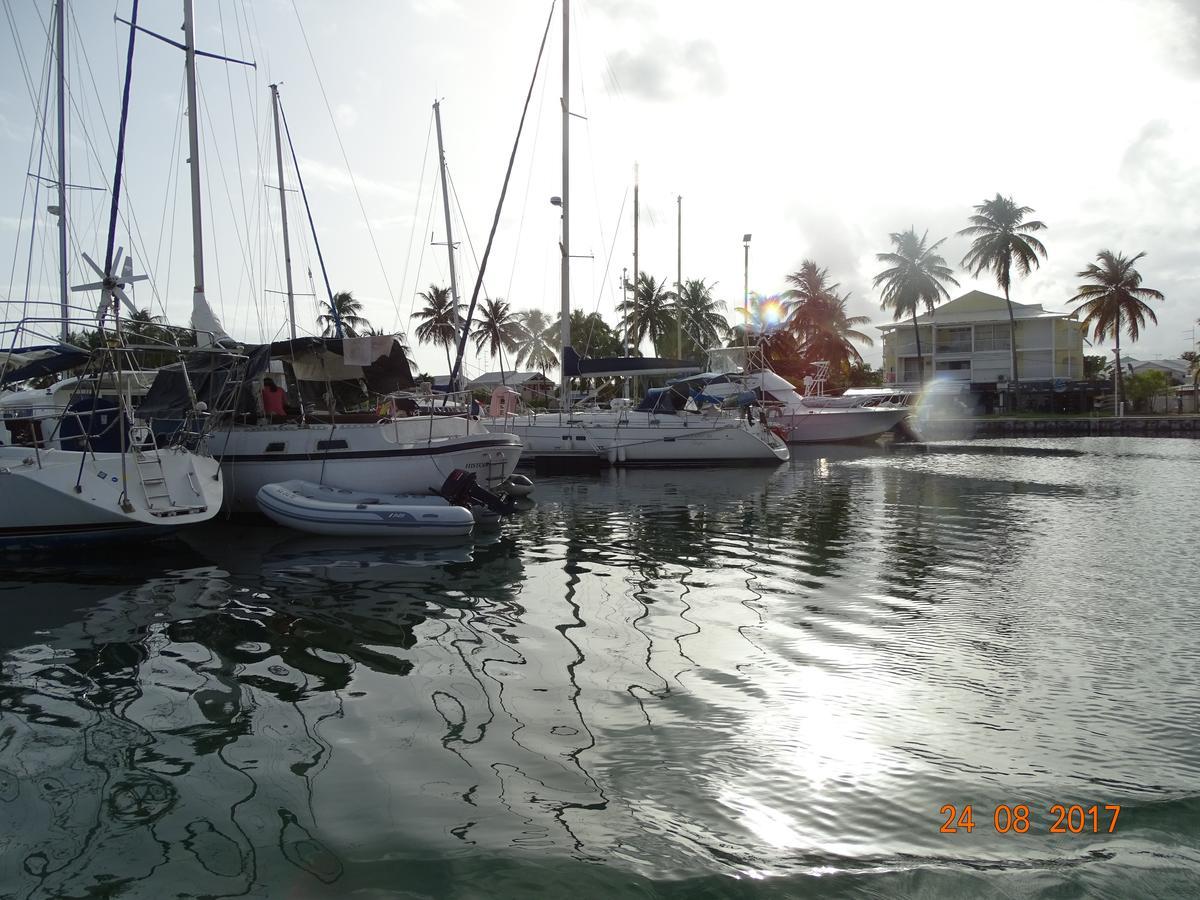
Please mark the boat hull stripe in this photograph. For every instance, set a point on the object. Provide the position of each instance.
(334, 456)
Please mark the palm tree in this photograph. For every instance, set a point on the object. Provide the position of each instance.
(440, 319)
(348, 311)
(498, 330)
(818, 322)
(703, 318)
(802, 303)
(143, 325)
(914, 278)
(1115, 298)
(537, 342)
(649, 312)
(763, 325)
(592, 336)
(999, 243)
(832, 333)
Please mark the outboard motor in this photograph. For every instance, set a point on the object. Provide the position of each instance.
(462, 489)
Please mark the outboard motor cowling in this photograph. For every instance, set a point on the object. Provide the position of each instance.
(462, 489)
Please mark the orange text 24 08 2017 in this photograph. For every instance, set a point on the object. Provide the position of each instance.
(1020, 818)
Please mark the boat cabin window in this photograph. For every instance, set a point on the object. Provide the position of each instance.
(332, 445)
(25, 432)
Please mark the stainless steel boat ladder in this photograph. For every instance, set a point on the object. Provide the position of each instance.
(154, 482)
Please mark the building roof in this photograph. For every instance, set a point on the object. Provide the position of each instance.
(978, 307)
(512, 379)
(1178, 367)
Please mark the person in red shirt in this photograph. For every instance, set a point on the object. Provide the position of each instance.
(273, 398)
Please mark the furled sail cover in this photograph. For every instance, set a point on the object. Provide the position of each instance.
(575, 366)
(205, 322)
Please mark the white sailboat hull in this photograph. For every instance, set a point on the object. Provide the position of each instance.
(399, 456)
(39, 503)
(644, 439)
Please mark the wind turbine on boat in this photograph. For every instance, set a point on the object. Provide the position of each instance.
(112, 285)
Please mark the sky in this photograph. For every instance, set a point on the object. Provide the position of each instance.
(818, 128)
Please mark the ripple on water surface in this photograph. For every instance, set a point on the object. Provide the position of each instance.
(718, 683)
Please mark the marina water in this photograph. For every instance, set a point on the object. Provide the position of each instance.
(719, 683)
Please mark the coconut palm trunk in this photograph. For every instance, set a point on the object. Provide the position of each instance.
(1118, 375)
(920, 358)
(1012, 350)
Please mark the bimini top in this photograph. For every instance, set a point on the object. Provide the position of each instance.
(227, 380)
(22, 363)
(575, 366)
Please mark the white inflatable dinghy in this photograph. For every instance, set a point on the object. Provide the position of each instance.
(320, 509)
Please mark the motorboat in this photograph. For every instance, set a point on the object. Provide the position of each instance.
(811, 417)
(322, 509)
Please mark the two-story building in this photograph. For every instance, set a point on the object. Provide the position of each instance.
(969, 340)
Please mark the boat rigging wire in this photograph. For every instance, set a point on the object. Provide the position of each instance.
(116, 192)
(247, 247)
(412, 234)
(128, 214)
(537, 130)
(171, 194)
(424, 245)
(345, 159)
(462, 341)
(333, 310)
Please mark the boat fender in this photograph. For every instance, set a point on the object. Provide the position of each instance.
(517, 486)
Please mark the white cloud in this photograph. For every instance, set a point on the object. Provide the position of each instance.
(663, 69)
(437, 8)
(346, 115)
(336, 178)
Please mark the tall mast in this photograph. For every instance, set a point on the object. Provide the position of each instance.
(565, 310)
(193, 116)
(625, 325)
(59, 40)
(636, 218)
(287, 250)
(437, 117)
(679, 275)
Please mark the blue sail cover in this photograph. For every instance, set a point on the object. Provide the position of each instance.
(575, 366)
(33, 362)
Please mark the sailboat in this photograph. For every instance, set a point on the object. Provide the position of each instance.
(77, 462)
(337, 434)
(663, 430)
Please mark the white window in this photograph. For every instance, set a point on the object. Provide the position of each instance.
(992, 337)
(954, 340)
